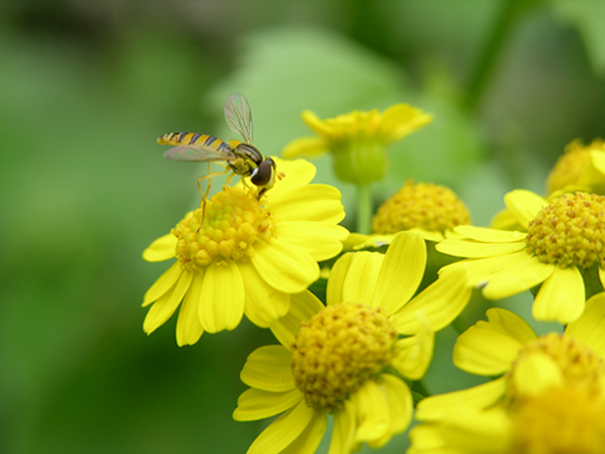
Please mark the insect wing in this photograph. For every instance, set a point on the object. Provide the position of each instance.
(239, 116)
(199, 154)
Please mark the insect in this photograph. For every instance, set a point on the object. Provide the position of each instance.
(241, 158)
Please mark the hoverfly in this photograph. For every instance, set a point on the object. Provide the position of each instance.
(241, 158)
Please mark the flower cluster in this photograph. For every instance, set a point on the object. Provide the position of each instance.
(356, 338)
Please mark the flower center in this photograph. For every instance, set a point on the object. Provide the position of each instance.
(565, 420)
(570, 231)
(579, 364)
(338, 349)
(569, 167)
(234, 221)
(426, 206)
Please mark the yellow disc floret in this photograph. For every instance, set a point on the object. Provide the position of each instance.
(232, 223)
(570, 231)
(338, 349)
(426, 206)
(580, 366)
(564, 420)
(571, 164)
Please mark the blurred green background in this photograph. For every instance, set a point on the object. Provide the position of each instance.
(87, 87)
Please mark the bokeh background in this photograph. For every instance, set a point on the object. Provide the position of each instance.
(86, 87)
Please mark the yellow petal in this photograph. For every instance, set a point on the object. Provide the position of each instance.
(436, 306)
(263, 304)
(471, 431)
(303, 306)
(188, 326)
(474, 249)
(487, 235)
(360, 282)
(317, 125)
(480, 271)
(561, 297)
(504, 220)
(400, 120)
(524, 205)
(284, 430)
(401, 404)
(401, 272)
(315, 202)
(427, 438)
(165, 306)
(414, 354)
(526, 273)
(255, 404)
(222, 298)
(478, 397)
(536, 372)
(295, 173)
(164, 283)
(343, 434)
(487, 348)
(511, 324)
(321, 240)
(372, 410)
(337, 278)
(268, 368)
(305, 147)
(308, 441)
(285, 267)
(590, 328)
(161, 249)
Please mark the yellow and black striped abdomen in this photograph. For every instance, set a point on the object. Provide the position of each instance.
(194, 139)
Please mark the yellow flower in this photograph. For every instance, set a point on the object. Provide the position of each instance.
(358, 140)
(245, 256)
(346, 359)
(580, 168)
(426, 209)
(561, 240)
(550, 398)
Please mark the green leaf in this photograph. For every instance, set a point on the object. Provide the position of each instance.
(587, 17)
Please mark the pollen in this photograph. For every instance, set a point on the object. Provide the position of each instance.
(423, 205)
(580, 366)
(571, 164)
(566, 420)
(570, 231)
(233, 223)
(338, 350)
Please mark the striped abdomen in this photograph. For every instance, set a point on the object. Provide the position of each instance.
(194, 139)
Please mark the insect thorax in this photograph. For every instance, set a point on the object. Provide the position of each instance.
(250, 152)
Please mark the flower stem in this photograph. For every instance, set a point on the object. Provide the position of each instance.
(460, 325)
(492, 49)
(364, 209)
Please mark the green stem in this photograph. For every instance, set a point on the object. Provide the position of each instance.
(364, 209)
(491, 51)
(419, 388)
(460, 325)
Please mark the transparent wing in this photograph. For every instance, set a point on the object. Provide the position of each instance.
(197, 153)
(239, 116)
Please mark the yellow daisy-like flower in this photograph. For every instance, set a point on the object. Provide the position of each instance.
(244, 255)
(562, 239)
(580, 168)
(346, 359)
(549, 400)
(426, 209)
(358, 140)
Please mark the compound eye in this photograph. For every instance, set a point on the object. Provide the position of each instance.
(263, 173)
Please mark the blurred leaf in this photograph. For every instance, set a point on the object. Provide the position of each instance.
(587, 17)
